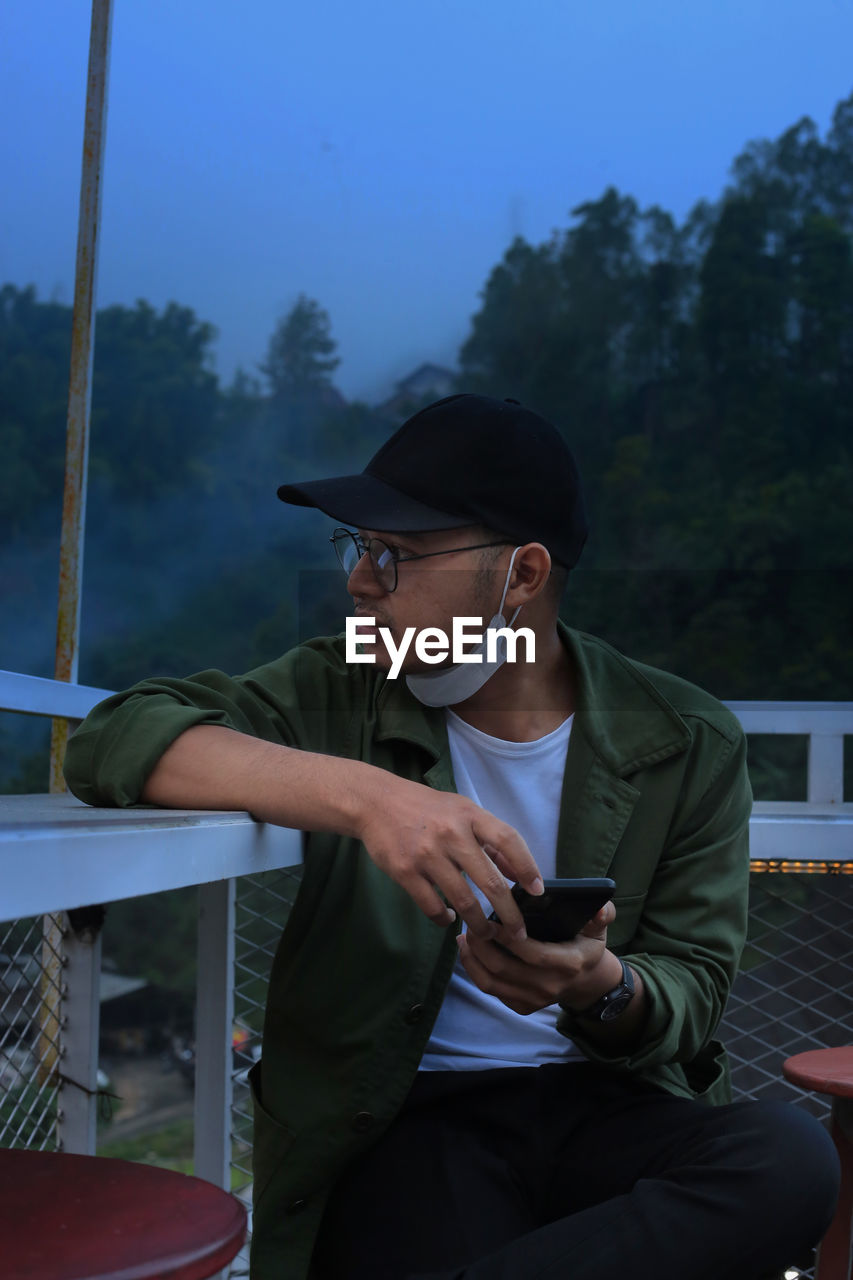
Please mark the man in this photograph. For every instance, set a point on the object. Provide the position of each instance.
(441, 1095)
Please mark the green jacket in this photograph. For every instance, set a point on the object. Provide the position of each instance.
(655, 794)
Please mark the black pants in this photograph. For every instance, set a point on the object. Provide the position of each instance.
(570, 1173)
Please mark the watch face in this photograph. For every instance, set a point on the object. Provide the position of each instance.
(616, 1006)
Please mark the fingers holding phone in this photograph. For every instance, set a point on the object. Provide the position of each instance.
(566, 944)
(564, 907)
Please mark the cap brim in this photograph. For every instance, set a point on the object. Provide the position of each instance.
(368, 503)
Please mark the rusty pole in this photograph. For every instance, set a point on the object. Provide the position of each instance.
(76, 471)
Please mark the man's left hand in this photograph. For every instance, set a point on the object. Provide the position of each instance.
(531, 975)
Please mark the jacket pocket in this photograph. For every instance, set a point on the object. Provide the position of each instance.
(629, 908)
(709, 1075)
(272, 1139)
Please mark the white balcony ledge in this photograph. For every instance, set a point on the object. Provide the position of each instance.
(56, 853)
(790, 831)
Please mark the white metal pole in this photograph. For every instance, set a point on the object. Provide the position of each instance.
(78, 1095)
(214, 1026)
(826, 768)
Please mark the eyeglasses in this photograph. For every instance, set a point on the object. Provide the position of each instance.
(350, 547)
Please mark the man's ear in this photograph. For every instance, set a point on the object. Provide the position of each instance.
(530, 574)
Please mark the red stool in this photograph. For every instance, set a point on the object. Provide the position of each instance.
(830, 1071)
(65, 1217)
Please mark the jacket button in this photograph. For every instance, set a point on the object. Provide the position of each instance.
(296, 1206)
(362, 1121)
(414, 1014)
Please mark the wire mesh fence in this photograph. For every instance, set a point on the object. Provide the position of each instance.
(263, 903)
(794, 991)
(31, 966)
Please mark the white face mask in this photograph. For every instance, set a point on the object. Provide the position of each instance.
(454, 684)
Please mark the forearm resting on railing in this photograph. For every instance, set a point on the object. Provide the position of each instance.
(212, 767)
(426, 840)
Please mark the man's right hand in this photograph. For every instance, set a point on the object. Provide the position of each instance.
(430, 841)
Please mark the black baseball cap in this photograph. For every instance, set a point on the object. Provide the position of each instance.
(466, 459)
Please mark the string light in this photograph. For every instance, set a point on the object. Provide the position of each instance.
(806, 866)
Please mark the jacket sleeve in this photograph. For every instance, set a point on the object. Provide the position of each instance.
(303, 699)
(691, 933)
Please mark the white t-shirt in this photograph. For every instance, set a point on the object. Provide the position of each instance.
(521, 783)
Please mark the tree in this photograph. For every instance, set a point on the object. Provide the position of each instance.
(574, 325)
(35, 347)
(155, 399)
(300, 356)
(704, 377)
(303, 404)
(155, 403)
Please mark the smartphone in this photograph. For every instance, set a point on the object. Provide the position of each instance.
(560, 913)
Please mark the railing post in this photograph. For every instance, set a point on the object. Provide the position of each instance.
(214, 1029)
(77, 1118)
(826, 768)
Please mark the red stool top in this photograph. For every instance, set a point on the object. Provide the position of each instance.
(824, 1070)
(65, 1217)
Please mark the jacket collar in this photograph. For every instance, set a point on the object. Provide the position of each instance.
(622, 724)
(400, 715)
(623, 717)
(626, 720)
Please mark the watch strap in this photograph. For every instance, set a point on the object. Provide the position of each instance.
(615, 1001)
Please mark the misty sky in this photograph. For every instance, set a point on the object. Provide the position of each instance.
(379, 156)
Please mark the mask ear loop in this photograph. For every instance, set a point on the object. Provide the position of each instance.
(500, 612)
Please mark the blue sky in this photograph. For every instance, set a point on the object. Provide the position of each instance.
(380, 156)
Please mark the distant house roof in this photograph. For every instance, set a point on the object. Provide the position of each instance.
(427, 382)
(427, 377)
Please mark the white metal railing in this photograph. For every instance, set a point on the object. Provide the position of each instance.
(819, 828)
(31, 695)
(57, 854)
(823, 723)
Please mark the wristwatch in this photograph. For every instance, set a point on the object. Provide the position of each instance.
(614, 1002)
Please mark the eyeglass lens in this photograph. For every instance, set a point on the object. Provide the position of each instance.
(350, 550)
